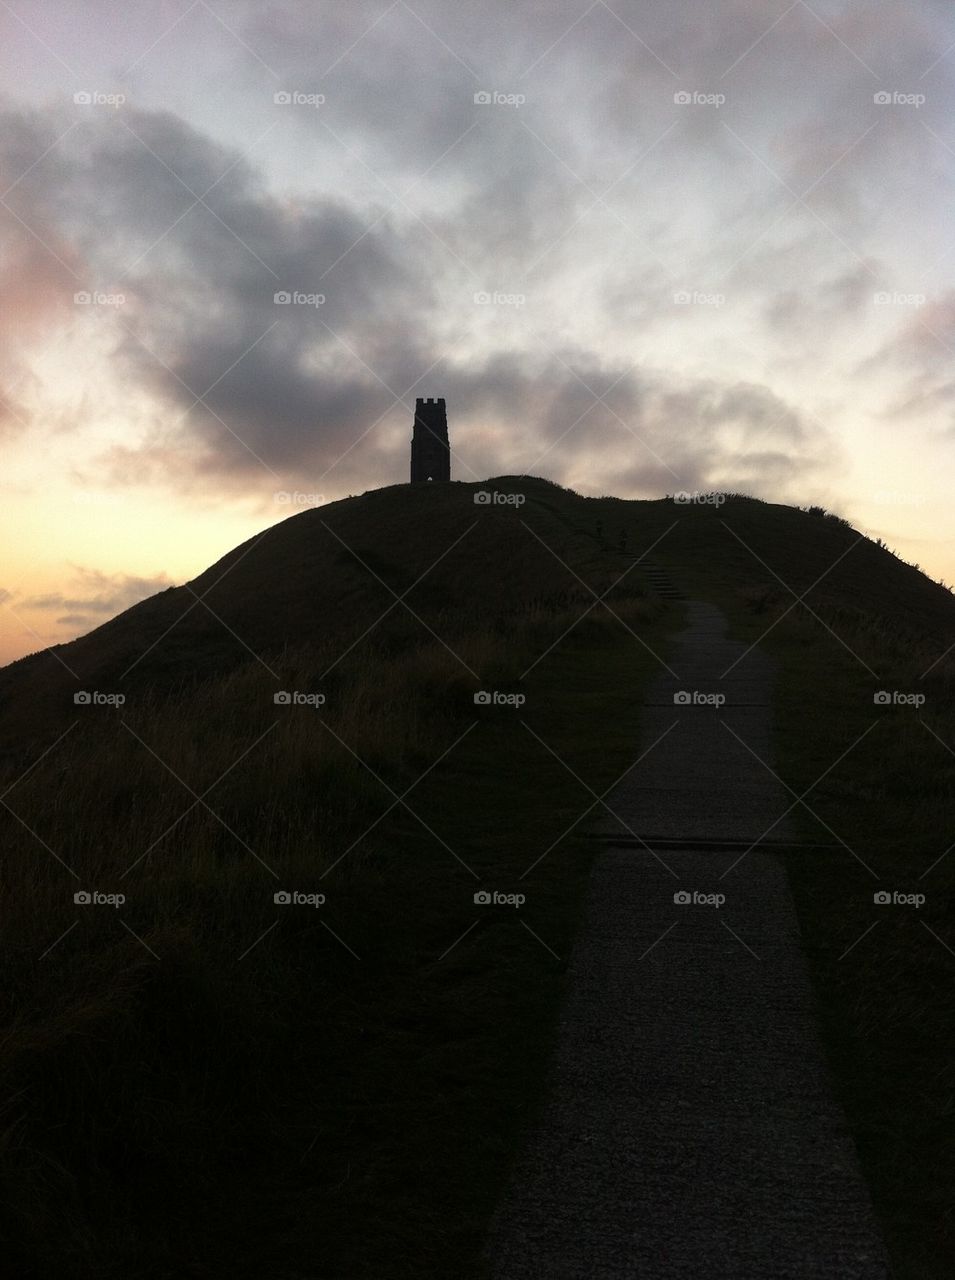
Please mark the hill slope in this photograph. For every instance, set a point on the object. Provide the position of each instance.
(203, 1080)
(330, 574)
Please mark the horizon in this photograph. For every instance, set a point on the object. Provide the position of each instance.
(477, 650)
(681, 497)
(723, 263)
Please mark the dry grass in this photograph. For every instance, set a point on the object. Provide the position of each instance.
(202, 1082)
(883, 973)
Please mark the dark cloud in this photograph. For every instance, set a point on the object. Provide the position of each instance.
(256, 389)
(98, 596)
(597, 197)
(39, 265)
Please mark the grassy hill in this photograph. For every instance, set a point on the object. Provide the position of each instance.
(202, 1080)
(327, 575)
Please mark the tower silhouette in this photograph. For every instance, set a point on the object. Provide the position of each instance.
(430, 448)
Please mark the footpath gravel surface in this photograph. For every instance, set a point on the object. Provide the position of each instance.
(690, 1128)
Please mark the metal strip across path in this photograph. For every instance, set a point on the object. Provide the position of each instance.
(690, 1128)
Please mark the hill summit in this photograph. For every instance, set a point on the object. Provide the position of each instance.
(395, 562)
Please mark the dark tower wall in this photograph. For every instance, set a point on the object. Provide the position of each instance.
(430, 448)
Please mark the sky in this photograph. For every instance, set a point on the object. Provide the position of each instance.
(640, 249)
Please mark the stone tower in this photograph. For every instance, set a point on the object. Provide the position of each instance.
(430, 449)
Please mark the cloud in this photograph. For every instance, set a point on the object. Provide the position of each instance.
(919, 352)
(250, 388)
(37, 265)
(97, 596)
(401, 198)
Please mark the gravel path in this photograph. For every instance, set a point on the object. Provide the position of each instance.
(691, 1129)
